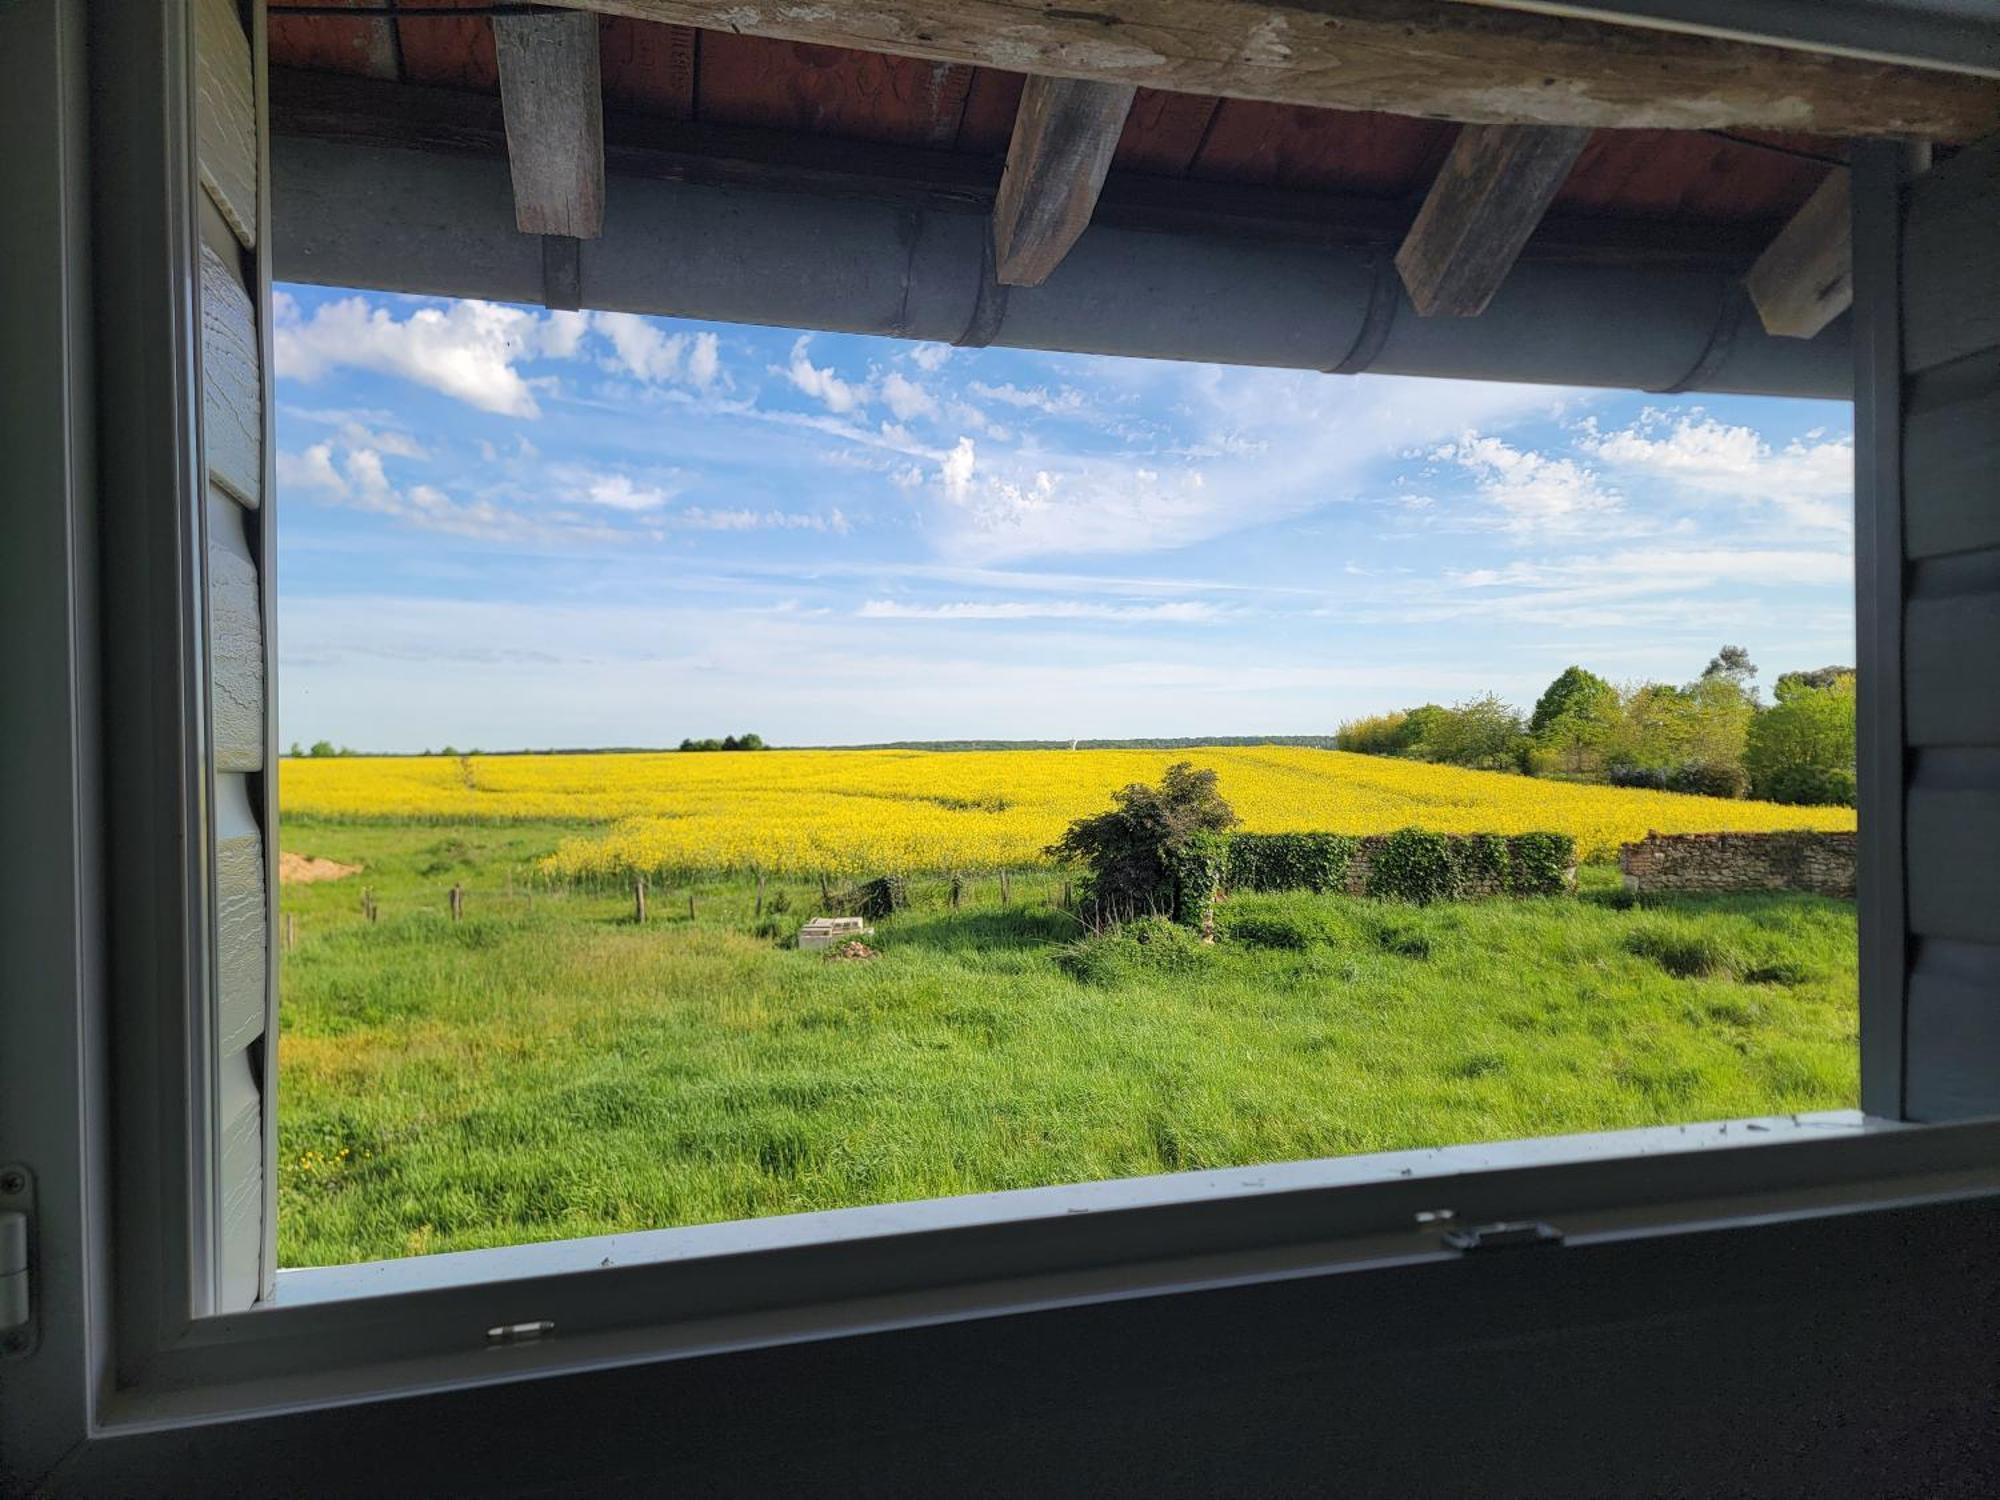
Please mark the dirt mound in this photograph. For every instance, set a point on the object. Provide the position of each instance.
(854, 952)
(303, 869)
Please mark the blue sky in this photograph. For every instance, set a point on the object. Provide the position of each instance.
(505, 527)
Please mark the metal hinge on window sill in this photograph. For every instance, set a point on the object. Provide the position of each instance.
(17, 1310)
(1513, 1234)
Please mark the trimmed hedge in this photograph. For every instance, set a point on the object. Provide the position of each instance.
(1409, 865)
(1539, 864)
(1290, 861)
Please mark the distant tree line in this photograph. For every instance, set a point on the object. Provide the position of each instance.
(727, 742)
(1712, 736)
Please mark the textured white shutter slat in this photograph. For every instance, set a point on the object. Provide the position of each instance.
(232, 398)
(236, 639)
(226, 119)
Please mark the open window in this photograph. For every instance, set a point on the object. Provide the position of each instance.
(466, 156)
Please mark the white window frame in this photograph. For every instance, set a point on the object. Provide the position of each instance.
(130, 1341)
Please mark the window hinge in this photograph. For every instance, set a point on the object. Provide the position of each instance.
(1512, 1234)
(17, 1309)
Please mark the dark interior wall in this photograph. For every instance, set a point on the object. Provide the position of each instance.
(1855, 1354)
(1949, 441)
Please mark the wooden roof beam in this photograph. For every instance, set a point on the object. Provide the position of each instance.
(1064, 135)
(1475, 63)
(552, 100)
(1805, 279)
(1490, 194)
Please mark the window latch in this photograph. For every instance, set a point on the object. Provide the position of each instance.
(1511, 1234)
(16, 1304)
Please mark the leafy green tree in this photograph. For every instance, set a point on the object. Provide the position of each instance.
(1733, 664)
(1720, 710)
(1378, 734)
(1134, 850)
(1481, 732)
(322, 750)
(1574, 717)
(1421, 725)
(295, 752)
(1816, 680)
(1803, 748)
(1574, 691)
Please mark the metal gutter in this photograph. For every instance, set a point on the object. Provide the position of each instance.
(366, 217)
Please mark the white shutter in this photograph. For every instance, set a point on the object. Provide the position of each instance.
(241, 1027)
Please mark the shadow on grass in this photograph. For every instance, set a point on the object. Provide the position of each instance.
(985, 928)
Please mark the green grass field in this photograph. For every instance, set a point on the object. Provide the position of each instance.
(547, 1068)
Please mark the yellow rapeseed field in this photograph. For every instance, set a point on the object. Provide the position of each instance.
(859, 812)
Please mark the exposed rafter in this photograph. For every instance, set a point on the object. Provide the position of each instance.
(411, 117)
(1490, 194)
(1806, 278)
(552, 99)
(1415, 57)
(1064, 135)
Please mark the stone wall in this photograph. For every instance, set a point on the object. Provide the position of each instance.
(1819, 862)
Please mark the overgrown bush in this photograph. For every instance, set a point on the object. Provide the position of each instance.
(1143, 853)
(1639, 778)
(1709, 778)
(1198, 867)
(1809, 786)
(878, 898)
(1289, 861)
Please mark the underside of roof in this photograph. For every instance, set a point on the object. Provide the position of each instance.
(764, 179)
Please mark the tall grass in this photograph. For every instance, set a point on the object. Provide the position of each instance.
(548, 1068)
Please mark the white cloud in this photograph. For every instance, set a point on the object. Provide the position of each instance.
(359, 480)
(640, 347)
(562, 334)
(822, 384)
(1532, 492)
(906, 398)
(1240, 449)
(696, 518)
(955, 471)
(618, 492)
(930, 357)
(1030, 398)
(1810, 482)
(467, 350)
(1184, 612)
(311, 470)
(705, 360)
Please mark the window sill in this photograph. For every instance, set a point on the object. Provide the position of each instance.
(362, 1332)
(307, 1286)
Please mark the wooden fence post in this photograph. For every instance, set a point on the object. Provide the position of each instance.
(957, 889)
(825, 894)
(291, 929)
(760, 893)
(368, 903)
(639, 899)
(1005, 893)
(457, 902)
(690, 906)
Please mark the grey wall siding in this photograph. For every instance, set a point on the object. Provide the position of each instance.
(1950, 307)
(236, 553)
